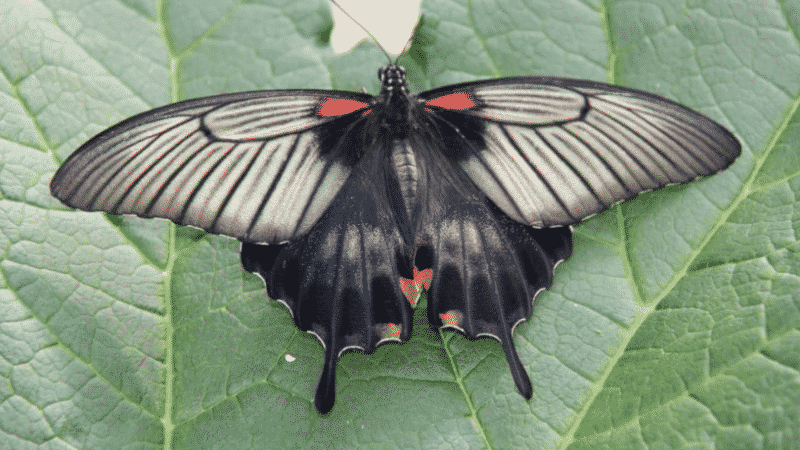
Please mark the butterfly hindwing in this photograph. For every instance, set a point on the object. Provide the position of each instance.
(225, 164)
(342, 280)
(486, 268)
(552, 151)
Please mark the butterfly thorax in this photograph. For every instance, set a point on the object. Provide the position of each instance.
(394, 100)
(393, 78)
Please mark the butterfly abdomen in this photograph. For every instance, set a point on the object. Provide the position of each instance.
(405, 167)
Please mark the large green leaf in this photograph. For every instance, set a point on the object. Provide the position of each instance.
(674, 325)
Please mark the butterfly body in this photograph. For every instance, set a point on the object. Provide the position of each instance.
(336, 195)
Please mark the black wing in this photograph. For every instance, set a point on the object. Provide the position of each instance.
(553, 151)
(258, 166)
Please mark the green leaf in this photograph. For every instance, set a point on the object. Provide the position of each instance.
(676, 323)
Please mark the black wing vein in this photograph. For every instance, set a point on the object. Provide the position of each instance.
(597, 157)
(201, 184)
(232, 191)
(688, 151)
(143, 180)
(562, 203)
(181, 170)
(658, 155)
(571, 165)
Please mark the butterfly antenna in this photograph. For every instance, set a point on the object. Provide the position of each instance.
(365, 30)
(408, 45)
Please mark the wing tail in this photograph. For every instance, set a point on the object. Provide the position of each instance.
(326, 389)
(518, 372)
(487, 270)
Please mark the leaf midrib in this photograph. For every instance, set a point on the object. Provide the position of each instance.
(169, 338)
(744, 192)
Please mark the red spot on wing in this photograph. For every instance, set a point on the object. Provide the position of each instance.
(391, 331)
(424, 277)
(332, 107)
(409, 290)
(458, 101)
(413, 288)
(453, 318)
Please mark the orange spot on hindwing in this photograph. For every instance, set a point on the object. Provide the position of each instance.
(452, 318)
(409, 290)
(424, 277)
(391, 331)
(413, 288)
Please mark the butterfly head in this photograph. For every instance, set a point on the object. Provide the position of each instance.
(393, 77)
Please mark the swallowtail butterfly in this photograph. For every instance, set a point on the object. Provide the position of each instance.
(337, 196)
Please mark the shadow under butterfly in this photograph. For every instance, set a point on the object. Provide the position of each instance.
(339, 196)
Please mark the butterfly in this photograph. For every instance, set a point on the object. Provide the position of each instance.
(337, 197)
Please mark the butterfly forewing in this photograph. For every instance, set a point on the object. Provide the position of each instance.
(552, 152)
(245, 165)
